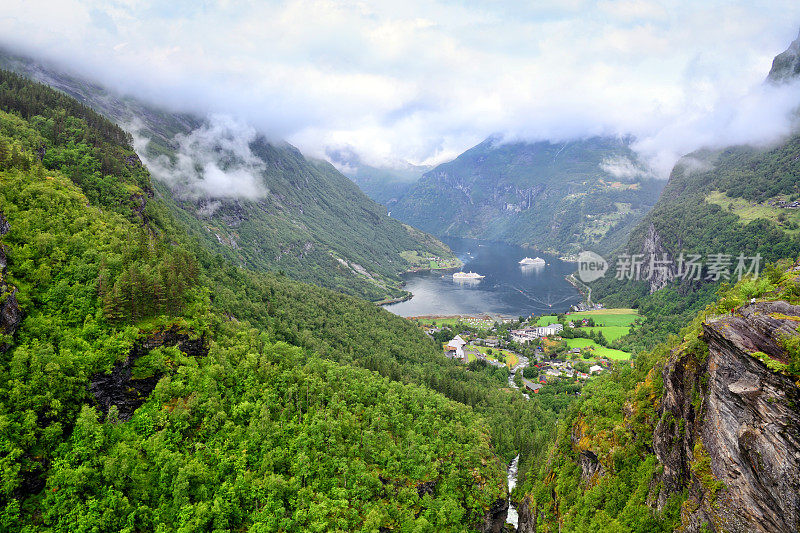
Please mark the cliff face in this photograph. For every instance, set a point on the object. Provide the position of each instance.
(786, 66)
(10, 312)
(730, 426)
(120, 389)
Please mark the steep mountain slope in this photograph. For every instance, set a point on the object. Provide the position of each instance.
(384, 185)
(786, 66)
(736, 200)
(259, 202)
(137, 394)
(562, 197)
(702, 434)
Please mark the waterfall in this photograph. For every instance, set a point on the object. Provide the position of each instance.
(513, 517)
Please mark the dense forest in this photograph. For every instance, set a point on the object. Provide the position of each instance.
(152, 384)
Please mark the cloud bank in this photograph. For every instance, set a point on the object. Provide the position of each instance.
(418, 81)
(213, 161)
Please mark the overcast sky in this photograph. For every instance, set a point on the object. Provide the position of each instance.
(421, 81)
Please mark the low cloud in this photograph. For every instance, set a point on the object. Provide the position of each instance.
(623, 168)
(420, 81)
(214, 161)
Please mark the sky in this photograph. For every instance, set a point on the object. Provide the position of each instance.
(412, 81)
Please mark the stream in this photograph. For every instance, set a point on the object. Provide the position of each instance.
(513, 517)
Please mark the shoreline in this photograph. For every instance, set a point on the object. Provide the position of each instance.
(429, 269)
(580, 287)
(390, 301)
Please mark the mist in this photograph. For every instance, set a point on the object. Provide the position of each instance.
(418, 82)
(212, 161)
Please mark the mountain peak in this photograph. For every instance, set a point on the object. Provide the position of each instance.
(786, 66)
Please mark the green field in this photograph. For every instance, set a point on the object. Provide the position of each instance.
(510, 358)
(748, 211)
(611, 333)
(599, 351)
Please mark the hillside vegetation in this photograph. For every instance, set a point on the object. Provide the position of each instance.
(280, 212)
(132, 399)
(559, 197)
(146, 383)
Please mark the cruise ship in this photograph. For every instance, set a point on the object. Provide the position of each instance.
(467, 275)
(534, 261)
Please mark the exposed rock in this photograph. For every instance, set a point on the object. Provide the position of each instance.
(10, 311)
(118, 388)
(528, 514)
(494, 520)
(786, 66)
(747, 418)
(654, 250)
(426, 487)
(591, 468)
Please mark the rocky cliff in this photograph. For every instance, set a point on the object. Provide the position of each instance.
(119, 388)
(786, 66)
(10, 312)
(730, 424)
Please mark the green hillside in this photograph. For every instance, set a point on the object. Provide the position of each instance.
(147, 384)
(556, 197)
(306, 219)
(726, 201)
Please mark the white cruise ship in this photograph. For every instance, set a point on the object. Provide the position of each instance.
(534, 261)
(467, 275)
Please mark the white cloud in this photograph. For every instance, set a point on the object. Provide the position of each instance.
(420, 81)
(213, 161)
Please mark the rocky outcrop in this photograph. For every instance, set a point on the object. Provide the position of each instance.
(725, 405)
(528, 514)
(657, 274)
(494, 520)
(786, 66)
(118, 388)
(10, 311)
(588, 460)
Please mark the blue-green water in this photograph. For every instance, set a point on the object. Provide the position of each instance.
(508, 288)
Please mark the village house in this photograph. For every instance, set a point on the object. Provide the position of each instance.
(456, 347)
(531, 386)
(595, 369)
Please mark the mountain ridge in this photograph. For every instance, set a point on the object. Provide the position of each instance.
(299, 216)
(559, 197)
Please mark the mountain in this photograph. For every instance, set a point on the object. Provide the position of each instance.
(260, 202)
(148, 383)
(700, 434)
(786, 66)
(735, 200)
(385, 185)
(560, 197)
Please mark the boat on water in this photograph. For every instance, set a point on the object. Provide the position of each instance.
(467, 275)
(534, 261)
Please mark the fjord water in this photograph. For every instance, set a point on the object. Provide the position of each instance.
(509, 289)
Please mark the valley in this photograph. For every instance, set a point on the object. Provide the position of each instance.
(382, 326)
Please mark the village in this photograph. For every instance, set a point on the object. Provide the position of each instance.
(537, 351)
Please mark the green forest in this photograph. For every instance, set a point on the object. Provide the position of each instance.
(153, 385)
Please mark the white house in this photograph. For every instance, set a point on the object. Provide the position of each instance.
(457, 344)
(595, 369)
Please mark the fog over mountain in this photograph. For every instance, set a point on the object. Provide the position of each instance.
(403, 88)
